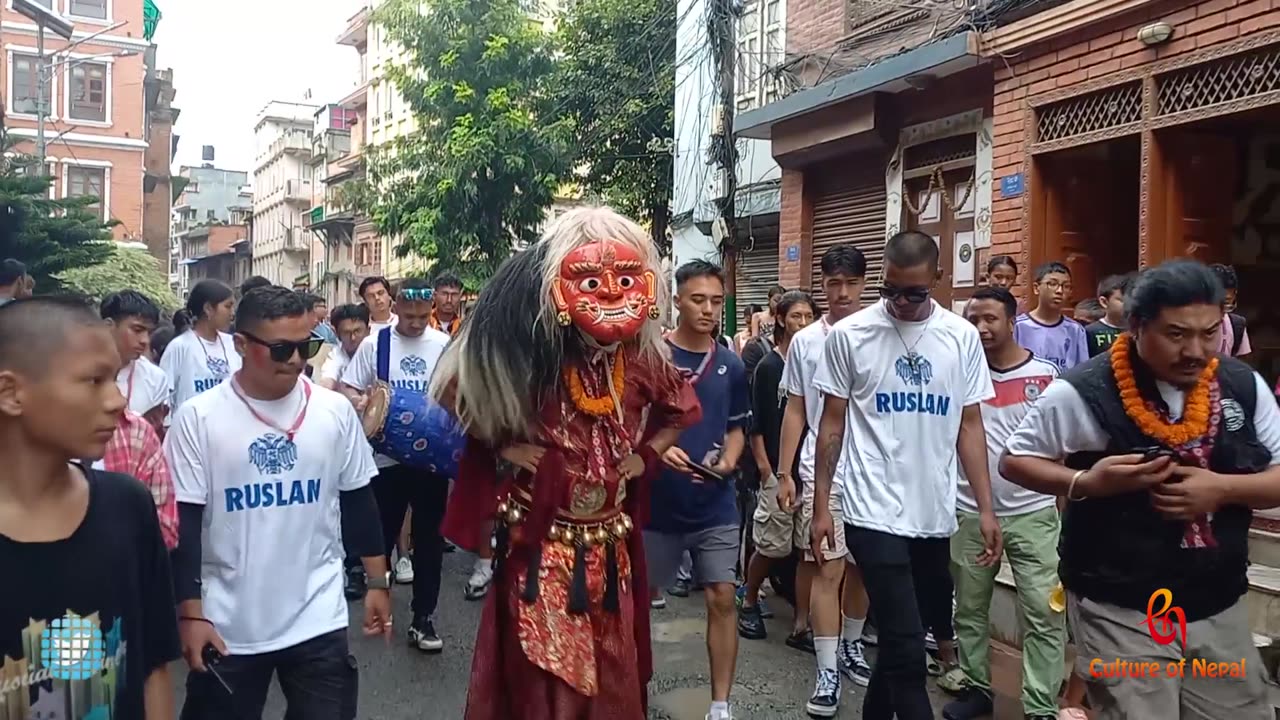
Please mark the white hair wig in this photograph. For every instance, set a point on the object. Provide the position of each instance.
(507, 358)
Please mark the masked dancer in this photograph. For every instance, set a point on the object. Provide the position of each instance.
(562, 377)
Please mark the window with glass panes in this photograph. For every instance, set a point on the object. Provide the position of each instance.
(89, 92)
(87, 181)
(761, 48)
(25, 76)
(89, 9)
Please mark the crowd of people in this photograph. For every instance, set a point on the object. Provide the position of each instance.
(874, 466)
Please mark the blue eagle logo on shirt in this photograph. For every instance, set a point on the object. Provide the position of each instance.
(273, 454)
(218, 366)
(413, 366)
(914, 369)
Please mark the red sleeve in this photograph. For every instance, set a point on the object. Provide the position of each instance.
(672, 401)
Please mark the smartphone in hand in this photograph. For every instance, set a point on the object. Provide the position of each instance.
(707, 472)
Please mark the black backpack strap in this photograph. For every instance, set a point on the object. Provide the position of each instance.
(1238, 325)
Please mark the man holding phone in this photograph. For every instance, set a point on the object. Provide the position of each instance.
(694, 503)
(1162, 447)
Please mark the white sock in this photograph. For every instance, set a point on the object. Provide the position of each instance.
(825, 649)
(853, 629)
(719, 709)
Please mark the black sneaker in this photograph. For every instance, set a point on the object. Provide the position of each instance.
(751, 624)
(973, 703)
(680, 588)
(353, 586)
(422, 635)
(802, 641)
(853, 662)
(825, 701)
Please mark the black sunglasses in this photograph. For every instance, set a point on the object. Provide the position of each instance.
(912, 294)
(283, 350)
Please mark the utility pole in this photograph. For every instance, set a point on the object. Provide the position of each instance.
(721, 30)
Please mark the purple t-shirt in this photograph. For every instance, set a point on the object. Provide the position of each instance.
(1062, 343)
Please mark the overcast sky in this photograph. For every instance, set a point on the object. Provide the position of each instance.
(231, 57)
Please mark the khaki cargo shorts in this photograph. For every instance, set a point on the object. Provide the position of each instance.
(777, 532)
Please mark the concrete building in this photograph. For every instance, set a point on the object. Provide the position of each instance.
(698, 183)
(209, 196)
(282, 187)
(336, 159)
(210, 252)
(157, 184)
(95, 129)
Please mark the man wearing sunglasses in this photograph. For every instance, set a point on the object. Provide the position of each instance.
(272, 474)
(902, 383)
(413, 349)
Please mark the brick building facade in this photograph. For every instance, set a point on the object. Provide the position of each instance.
(95, 131)
(1107, 134)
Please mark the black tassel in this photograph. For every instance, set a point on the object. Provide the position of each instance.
(530, 593)
(578, 590)
(611, 578)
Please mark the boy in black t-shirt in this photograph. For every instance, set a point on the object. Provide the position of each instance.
(1102, 333)
(87, 624)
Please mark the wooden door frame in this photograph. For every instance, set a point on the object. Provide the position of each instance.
(1153, 202)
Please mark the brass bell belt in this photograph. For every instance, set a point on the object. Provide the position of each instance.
(600, 529)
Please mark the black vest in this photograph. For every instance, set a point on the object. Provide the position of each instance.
(1118, 549)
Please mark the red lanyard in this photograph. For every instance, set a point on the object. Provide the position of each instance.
(297, 423)
(205, 350)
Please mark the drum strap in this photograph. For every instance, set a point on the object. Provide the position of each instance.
(384, 355)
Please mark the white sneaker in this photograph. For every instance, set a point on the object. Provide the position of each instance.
(727, 715)
(404, 570)
(478, 583)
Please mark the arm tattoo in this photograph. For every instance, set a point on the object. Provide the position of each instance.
(828, 457)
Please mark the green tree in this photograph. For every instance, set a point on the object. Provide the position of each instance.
(124, 269)
(49, 236)
(487, 156)
(616, 80)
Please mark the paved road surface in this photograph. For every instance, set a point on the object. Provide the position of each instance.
(400, 683)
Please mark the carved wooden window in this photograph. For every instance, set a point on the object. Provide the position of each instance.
(1106, 109)
(935, 153)
(1238, 77)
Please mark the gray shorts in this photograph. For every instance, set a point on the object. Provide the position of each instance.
(714, 552)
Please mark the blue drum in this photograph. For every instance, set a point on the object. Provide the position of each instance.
(409, 428)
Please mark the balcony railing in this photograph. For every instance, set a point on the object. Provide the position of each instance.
(298, 142)
(297, 191)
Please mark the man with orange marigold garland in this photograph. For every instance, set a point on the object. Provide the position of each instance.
(562, 373)
(1168, 448)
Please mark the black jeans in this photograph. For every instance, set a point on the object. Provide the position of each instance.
(318, 678)
(396, 489)
(902, 577)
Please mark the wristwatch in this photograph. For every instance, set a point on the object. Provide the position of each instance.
(380, 583)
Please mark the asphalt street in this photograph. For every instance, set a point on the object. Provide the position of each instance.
(400, 683)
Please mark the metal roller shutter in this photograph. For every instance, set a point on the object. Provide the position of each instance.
(853, 215)
(757, 272)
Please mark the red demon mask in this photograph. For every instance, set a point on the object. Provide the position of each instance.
(606, 290)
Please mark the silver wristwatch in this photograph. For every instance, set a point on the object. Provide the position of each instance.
(380, 583)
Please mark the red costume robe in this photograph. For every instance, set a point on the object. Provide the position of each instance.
(536, 659)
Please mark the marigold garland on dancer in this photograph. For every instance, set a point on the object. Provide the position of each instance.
(561, 380)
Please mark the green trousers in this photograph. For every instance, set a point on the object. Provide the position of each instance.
(1031, 546)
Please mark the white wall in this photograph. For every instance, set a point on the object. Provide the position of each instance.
(688, 243)
(695, 100)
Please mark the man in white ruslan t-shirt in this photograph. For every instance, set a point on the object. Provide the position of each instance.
(351, 325)
(1162, 447)
(379, 298)
(146, 388)
(1028, 525)
(272, 475)
(902, 384)
(414, 350)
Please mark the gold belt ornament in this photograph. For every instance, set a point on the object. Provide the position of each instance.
(571, 530)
